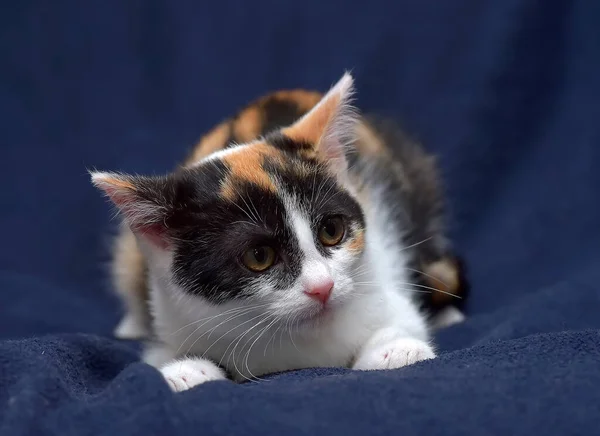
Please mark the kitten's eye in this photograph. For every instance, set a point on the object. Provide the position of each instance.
(258, 259)
(331, 231)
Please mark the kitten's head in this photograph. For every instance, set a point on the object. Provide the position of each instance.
(272, 223)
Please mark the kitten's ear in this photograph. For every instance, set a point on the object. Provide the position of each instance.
(330, 126)
(142, 202)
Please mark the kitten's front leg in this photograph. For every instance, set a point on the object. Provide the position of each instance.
(188, 372)
(389, 349)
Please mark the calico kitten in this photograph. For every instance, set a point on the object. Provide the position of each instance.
(291, 238)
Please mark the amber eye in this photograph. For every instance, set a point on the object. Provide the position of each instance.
(331, 231)
(259, 259)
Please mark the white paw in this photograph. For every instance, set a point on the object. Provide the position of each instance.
(131, 327)
(185, 374)
(395, 354)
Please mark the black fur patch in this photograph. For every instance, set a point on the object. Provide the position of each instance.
(211, 234)
(286, 144)
(279, 113)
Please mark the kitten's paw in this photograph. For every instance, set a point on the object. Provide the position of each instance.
(395, 354)
(185, 374)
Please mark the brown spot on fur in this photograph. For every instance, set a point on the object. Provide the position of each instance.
(445, 277)
(248, 125)
(245, 165)
(213, 141)
(357, 244)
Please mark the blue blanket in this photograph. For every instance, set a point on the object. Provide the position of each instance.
(506, 93)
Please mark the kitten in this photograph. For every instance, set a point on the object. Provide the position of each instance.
(291, 238)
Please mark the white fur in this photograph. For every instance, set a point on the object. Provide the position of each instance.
(395, 353)
(219, 154)
(187, 373)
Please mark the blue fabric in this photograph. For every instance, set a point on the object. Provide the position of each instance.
(506, 92)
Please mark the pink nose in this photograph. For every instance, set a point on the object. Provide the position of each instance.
(320, 291)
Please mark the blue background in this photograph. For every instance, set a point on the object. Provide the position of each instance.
(506, 92)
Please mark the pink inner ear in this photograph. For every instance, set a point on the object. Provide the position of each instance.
(332, 151)
(118, 197)
(155, 233)
(332, 148)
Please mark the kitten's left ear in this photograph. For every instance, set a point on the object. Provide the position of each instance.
(143, 201)
(330, 126)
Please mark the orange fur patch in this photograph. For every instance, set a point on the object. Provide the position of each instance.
(246, 166)
(248, 125)
(119, 183)
(213, 141)
(357, 244)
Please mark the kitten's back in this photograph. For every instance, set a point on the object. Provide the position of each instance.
(258, 118)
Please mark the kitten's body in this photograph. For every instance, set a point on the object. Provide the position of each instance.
(393, 215)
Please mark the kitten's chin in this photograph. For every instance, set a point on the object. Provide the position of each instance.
(315, 315)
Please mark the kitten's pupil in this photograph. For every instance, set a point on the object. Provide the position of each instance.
(260, 254)
(332, 231)
(259, 259)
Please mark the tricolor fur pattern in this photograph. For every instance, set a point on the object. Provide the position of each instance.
(296, 234)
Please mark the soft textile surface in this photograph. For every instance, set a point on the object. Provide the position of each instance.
(506, 92)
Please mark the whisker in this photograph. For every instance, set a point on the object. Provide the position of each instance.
(428, 275)
(417, 243)
(432, 289)
(418, 291)
(246, 222)
(229, 331)
(312, 194)
(252, 345)
(265, 318)
(235, 315)
(256, 214)
(273, 338)
(291, 336)
(235, 309)
(249, 212)
(324, 198)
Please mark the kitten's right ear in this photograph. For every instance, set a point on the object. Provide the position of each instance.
(330, 126)
(140, 200)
